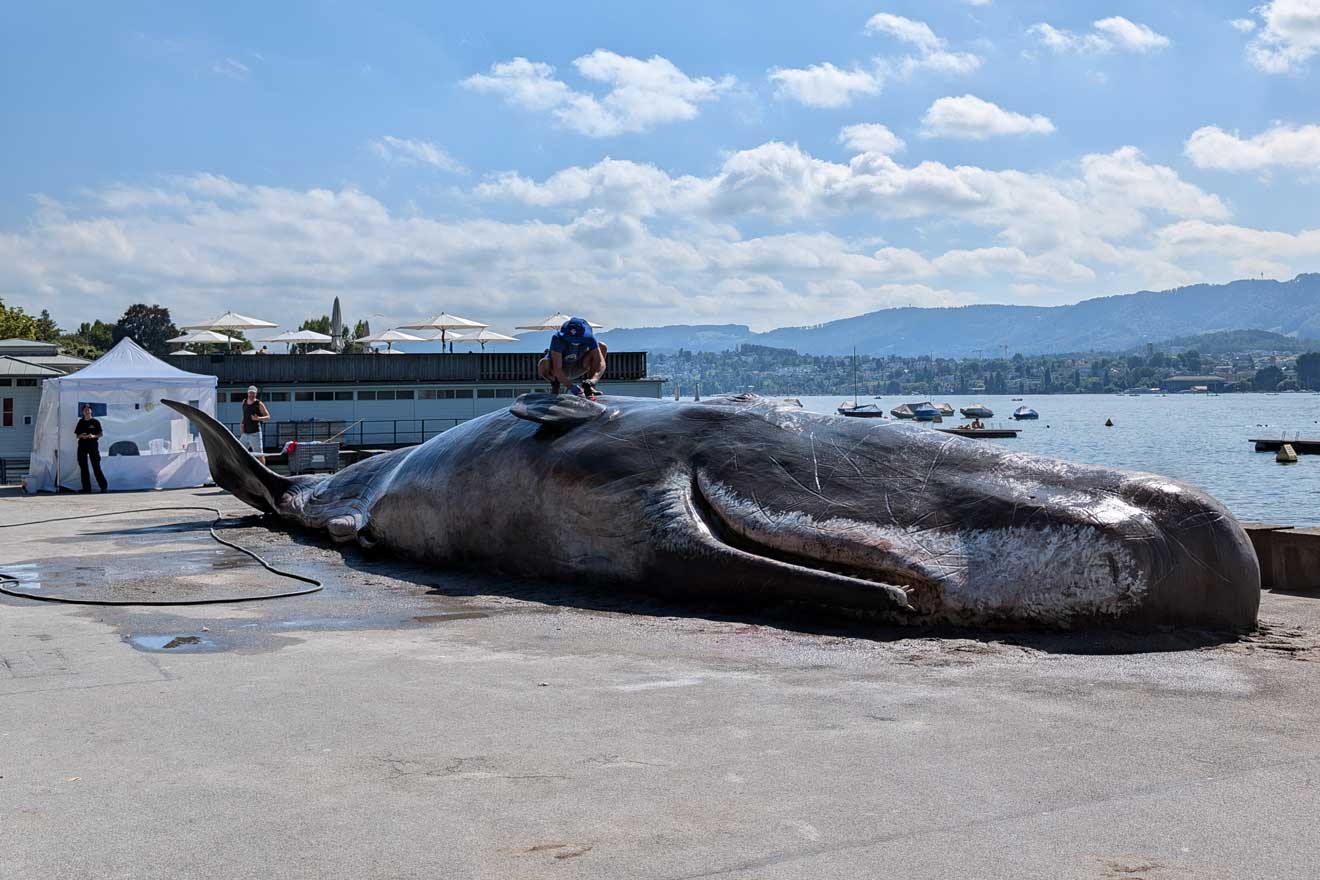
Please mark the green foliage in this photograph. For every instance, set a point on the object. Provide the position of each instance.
(317, 325)
(148, 326)
(16, 323)
(1308, 370)
(1267, 379)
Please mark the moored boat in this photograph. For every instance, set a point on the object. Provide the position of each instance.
(902, 411)
(977, 411)
(860, 410)
(1025, 412)
(925, 411)
(946, 409)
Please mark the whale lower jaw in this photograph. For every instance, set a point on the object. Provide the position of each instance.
(1059, 576)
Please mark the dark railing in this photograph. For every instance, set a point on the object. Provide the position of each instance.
(369, 434)
(12, 470)
(235, 369)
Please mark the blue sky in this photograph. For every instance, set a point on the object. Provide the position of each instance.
(766, 163)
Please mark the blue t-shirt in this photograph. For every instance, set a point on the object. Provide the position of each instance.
(574, 346)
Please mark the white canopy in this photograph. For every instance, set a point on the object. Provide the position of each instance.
(445, 323)
(320, 351)
(202, 336)
(232, 321)
(298, 336)
(486, 336)
(554, 322)
(145, 445)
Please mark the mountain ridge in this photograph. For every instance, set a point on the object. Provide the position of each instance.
(1116, 322)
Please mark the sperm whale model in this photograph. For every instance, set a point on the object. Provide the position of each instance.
(748, 497)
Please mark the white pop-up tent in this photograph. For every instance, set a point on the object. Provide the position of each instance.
(145, 444)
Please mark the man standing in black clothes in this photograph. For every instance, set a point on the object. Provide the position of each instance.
(88, 430)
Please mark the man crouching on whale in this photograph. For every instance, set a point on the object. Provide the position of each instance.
(574, 353)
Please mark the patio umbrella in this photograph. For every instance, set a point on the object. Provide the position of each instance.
(389, 337)
(200, 337)
(298, 336)
(485, 336)
(444, 323)
(554, 322)
(320, 351)
(233, 321)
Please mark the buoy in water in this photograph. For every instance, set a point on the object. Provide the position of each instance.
(1109, 423)
(1286, 454)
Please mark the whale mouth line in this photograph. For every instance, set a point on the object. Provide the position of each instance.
(718, 522)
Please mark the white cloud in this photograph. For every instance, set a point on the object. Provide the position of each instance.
(642, 93)
(232, 68)
(1108, 34)
(1242, 25)
(823, 85)
(411, 152)
(971, 118)
(1289, 38)
(1131, 36)
(1295, 146)
(932, 51)
(869, 137)
(977, 2)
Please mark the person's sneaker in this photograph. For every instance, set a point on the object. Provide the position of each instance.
(576, 390)
(554, 386)
(589, 389)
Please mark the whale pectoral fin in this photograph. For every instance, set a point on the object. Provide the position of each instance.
(561, 411)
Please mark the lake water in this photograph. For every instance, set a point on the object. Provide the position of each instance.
(1199, 439)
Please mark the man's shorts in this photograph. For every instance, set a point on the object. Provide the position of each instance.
(252, 443)
(573, 371)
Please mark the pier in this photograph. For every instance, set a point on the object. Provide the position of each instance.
(1300, 445)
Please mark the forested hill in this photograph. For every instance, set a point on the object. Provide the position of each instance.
(1110, 323)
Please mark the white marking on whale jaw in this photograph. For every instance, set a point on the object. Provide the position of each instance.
(1047, 574)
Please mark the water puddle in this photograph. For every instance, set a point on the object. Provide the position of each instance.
(456, 615)
(174, 644)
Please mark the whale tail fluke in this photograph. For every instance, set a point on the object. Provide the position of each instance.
(232, 467)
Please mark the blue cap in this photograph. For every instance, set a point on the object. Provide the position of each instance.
(577, 328)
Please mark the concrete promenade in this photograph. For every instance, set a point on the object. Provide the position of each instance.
(412, 723)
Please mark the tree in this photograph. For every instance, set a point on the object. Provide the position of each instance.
(317, 325)
(1308, 370)
(148, 326)
(47, 330)
(360, 329)
(1267, 379)
(16, 323)
(1191, 360)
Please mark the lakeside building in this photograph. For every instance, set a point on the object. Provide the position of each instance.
(23, 366)
(388, 400)
(1187, 383)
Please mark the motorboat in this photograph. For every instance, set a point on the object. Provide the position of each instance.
(983, 432)
(1025, 412)
(925, 411)
(977, 411)
(902, 411)
(946, 409)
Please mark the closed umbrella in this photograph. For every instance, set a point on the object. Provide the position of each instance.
(445, 323)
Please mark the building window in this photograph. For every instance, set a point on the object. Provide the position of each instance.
(6, 412)
(27, 383)
(237, 396)
(302, 395)
(278, 397)
(27, 420)
(324, 395)
(463, 394)
(485, 392)
(6, 382)
(426, 394)
(403, 395)
(366, 395)
(384, 395)
(343, 395)
(504, 392)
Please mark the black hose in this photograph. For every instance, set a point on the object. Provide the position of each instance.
(7, 580)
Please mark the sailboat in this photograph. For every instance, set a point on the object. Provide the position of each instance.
(859, 410)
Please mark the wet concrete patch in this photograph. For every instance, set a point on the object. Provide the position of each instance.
(174, 644)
